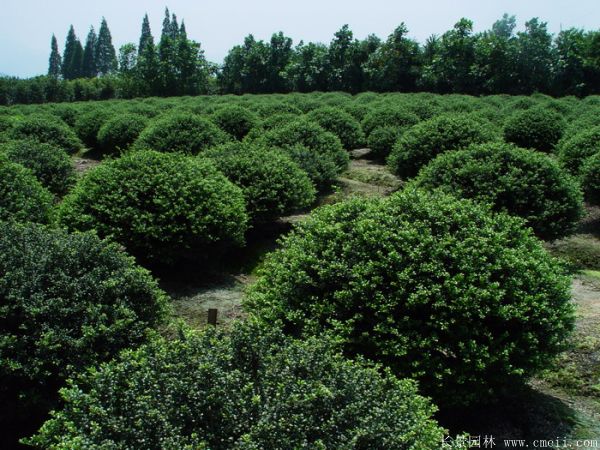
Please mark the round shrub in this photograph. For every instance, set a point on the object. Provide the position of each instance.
(423, 142)
(321, 171)
(590, 179)
(311, 135)
(46, 129)
(68, 301)
(161, 207)
(340, 123)
(388, 116)
(382, 140)
(120, 132)
(22, 196)
(575, 150)
(272, 183)
(50, 165)
(538, 128)
(240, 391)
(185, 133)
(439, 289)
(270, 108)
(520, 182)
(237, 121)
(270, 123)
(89, 123)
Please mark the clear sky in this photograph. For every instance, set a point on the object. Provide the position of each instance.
(26, 26)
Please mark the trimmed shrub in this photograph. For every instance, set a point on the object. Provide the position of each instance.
(50, 165)
(311, 135)
(423, 142)
(272, 183)
(120, 132)
(538, 128)
(422, 274)
(340, 123)
(388, 116)
(89, 123)
(68, 301)
(520, 182)
(161, 207)
(185, 133)
(321, 171)
(575, 150)
(237, 121)
(242, 390)
(270, 123)
(271, 108)
(590, 179)
(46, 129)
(382, 140)
(22, 196)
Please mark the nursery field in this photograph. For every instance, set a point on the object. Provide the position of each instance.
(390, 271)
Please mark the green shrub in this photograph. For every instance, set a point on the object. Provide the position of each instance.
(423, 142)
(237, 121)
(161, 207)
(22, 196)
(48, 130)
(240, 391)
(439, 289)
(388, 116)
(538, 128)
(177, 132)
(590, 179)
(575, 150)
(382, 140)
(65, 112)
(304, 132)
(340, 123)
(520, 182)
(273, 184)
(120, 132)
(270, 123)
(273, 107)
(321, 171)
(89, 123)
(68, 301)
(50, 165)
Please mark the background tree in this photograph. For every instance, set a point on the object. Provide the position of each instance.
(72, 65)
(54, 62)
(89, 55)
(534, 57)
(106, 57)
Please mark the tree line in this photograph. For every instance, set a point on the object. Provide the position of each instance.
(498, 60)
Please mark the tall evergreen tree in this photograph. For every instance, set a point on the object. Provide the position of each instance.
(146, 35)
(72, 57)
(174, 28)
(55, 62)
(106, 56)
(166, 25)
(90, 70)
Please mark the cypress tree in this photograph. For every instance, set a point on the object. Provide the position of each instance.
(55, 62)
(174, 28)
(72, 57)
(146, 36)
(166, 27)
(89, 55)
(106, 56)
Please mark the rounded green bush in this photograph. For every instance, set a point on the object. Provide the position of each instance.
(439, 289)
(237, 121)
(89, 123)
(50, 165)
(272, 183)
(423, 142)
(590, 179)
(118, 134)
(68, 301)
(270, 123)
(523, 183)
(382, 140)
(22, 196)
(388, 116)
(271, 108)
(574, 151)
(321, 171)
(307, 133)
(538, 128)
(46, 129)
(185, 133)
(340, 123)
(241, 390)
(161, 207)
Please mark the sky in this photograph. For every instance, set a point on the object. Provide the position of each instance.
(26, 26)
